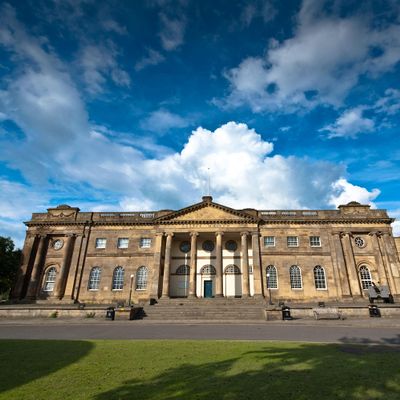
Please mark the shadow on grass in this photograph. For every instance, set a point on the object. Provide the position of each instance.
(284, 372)
(24, 361)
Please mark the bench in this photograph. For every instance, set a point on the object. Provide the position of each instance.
(327, 313)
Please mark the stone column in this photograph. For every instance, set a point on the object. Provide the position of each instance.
(378, 259)
(380, 239)
(155, 283)
(255, 244)
(62, 279)
(74, 268)
(17, 291)
(193, 264)
(351, 265)
(219, 286)
(245, 265)
(341, 266)
(167, 265)
(394, 262)
(37, 267)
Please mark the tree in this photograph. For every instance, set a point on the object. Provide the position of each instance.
(9, 263)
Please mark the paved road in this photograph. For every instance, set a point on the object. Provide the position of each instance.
(313, 331)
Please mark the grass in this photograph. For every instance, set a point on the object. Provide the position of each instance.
(212, 370)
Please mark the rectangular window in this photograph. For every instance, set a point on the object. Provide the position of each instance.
(315, 241)
(101, 243)
(293, 241)
(269, 241)
(123, 243)
(250, 269)
(145, 243)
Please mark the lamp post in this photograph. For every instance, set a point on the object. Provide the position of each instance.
(130, 290)
(269, 289)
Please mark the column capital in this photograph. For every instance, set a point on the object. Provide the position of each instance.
(70, 235)
(41, 236)
(245, 233)
(171, 234)
(255, 234)
(219, 233)
(194, 233)
(157, 234)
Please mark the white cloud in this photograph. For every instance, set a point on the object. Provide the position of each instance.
(99, 63)
(320, 64)
(349, 124)
(172, 31)
(264, 9)
(344, 192)
(153, 57)
(60, 146)
(111, 25)
(163, 120)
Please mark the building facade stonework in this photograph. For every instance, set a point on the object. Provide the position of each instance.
(207, 250)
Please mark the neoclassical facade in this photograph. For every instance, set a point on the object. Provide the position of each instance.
(207, 250)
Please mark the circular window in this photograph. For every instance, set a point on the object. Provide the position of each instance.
(184, 247)
(208, 245)
(57, 244)
(360, 242)
(231, 245)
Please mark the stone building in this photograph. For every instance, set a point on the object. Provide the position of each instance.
(207, 250)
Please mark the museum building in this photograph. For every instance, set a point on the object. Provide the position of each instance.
(207, 250)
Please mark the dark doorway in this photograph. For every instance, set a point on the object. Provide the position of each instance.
(208, 292)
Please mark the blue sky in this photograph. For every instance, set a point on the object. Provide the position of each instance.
(121, 105)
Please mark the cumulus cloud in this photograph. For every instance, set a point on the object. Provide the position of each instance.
(60, 145)
(350, 124)
(344, 192)
(319, 64)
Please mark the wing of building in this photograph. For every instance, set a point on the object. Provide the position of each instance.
(207, 250)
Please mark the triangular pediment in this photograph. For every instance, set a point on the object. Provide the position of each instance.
(208, 211)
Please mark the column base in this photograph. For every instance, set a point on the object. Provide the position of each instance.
(192, 296)
(219, 295)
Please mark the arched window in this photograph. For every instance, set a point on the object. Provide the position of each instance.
(118, 279)
(272, 277)
(183, 270)
(94, 278)
(295, 277)
(208, 270)
(50, 279)
(319, 277)
(141, 278)
(365, 275)
(232, 270)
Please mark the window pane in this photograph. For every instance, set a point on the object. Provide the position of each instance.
(123, 243)
(315, 241)
(366, 280)
(295, 277)
(292, 241)
(145, 243)
(94, 278)
(141, 278)
(50, 280)
(319, 277)
(118, 279)
(269, 241)
(272, 278)
(101, 243)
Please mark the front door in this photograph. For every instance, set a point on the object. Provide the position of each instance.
(208, 292)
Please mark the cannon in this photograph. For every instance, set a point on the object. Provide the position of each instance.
(379, 292)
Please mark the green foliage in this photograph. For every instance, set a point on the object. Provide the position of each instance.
(54, 314)
(90, 315)
(9, 263)
(185, 370)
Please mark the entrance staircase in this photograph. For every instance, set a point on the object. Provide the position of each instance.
(215, 309)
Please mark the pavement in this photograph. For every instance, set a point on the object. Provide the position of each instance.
(372, 331)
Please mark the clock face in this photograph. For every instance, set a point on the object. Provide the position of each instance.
(57, 244)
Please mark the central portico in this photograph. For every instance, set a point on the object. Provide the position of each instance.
(208, 250)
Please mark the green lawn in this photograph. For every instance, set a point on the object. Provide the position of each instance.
(141, 370)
